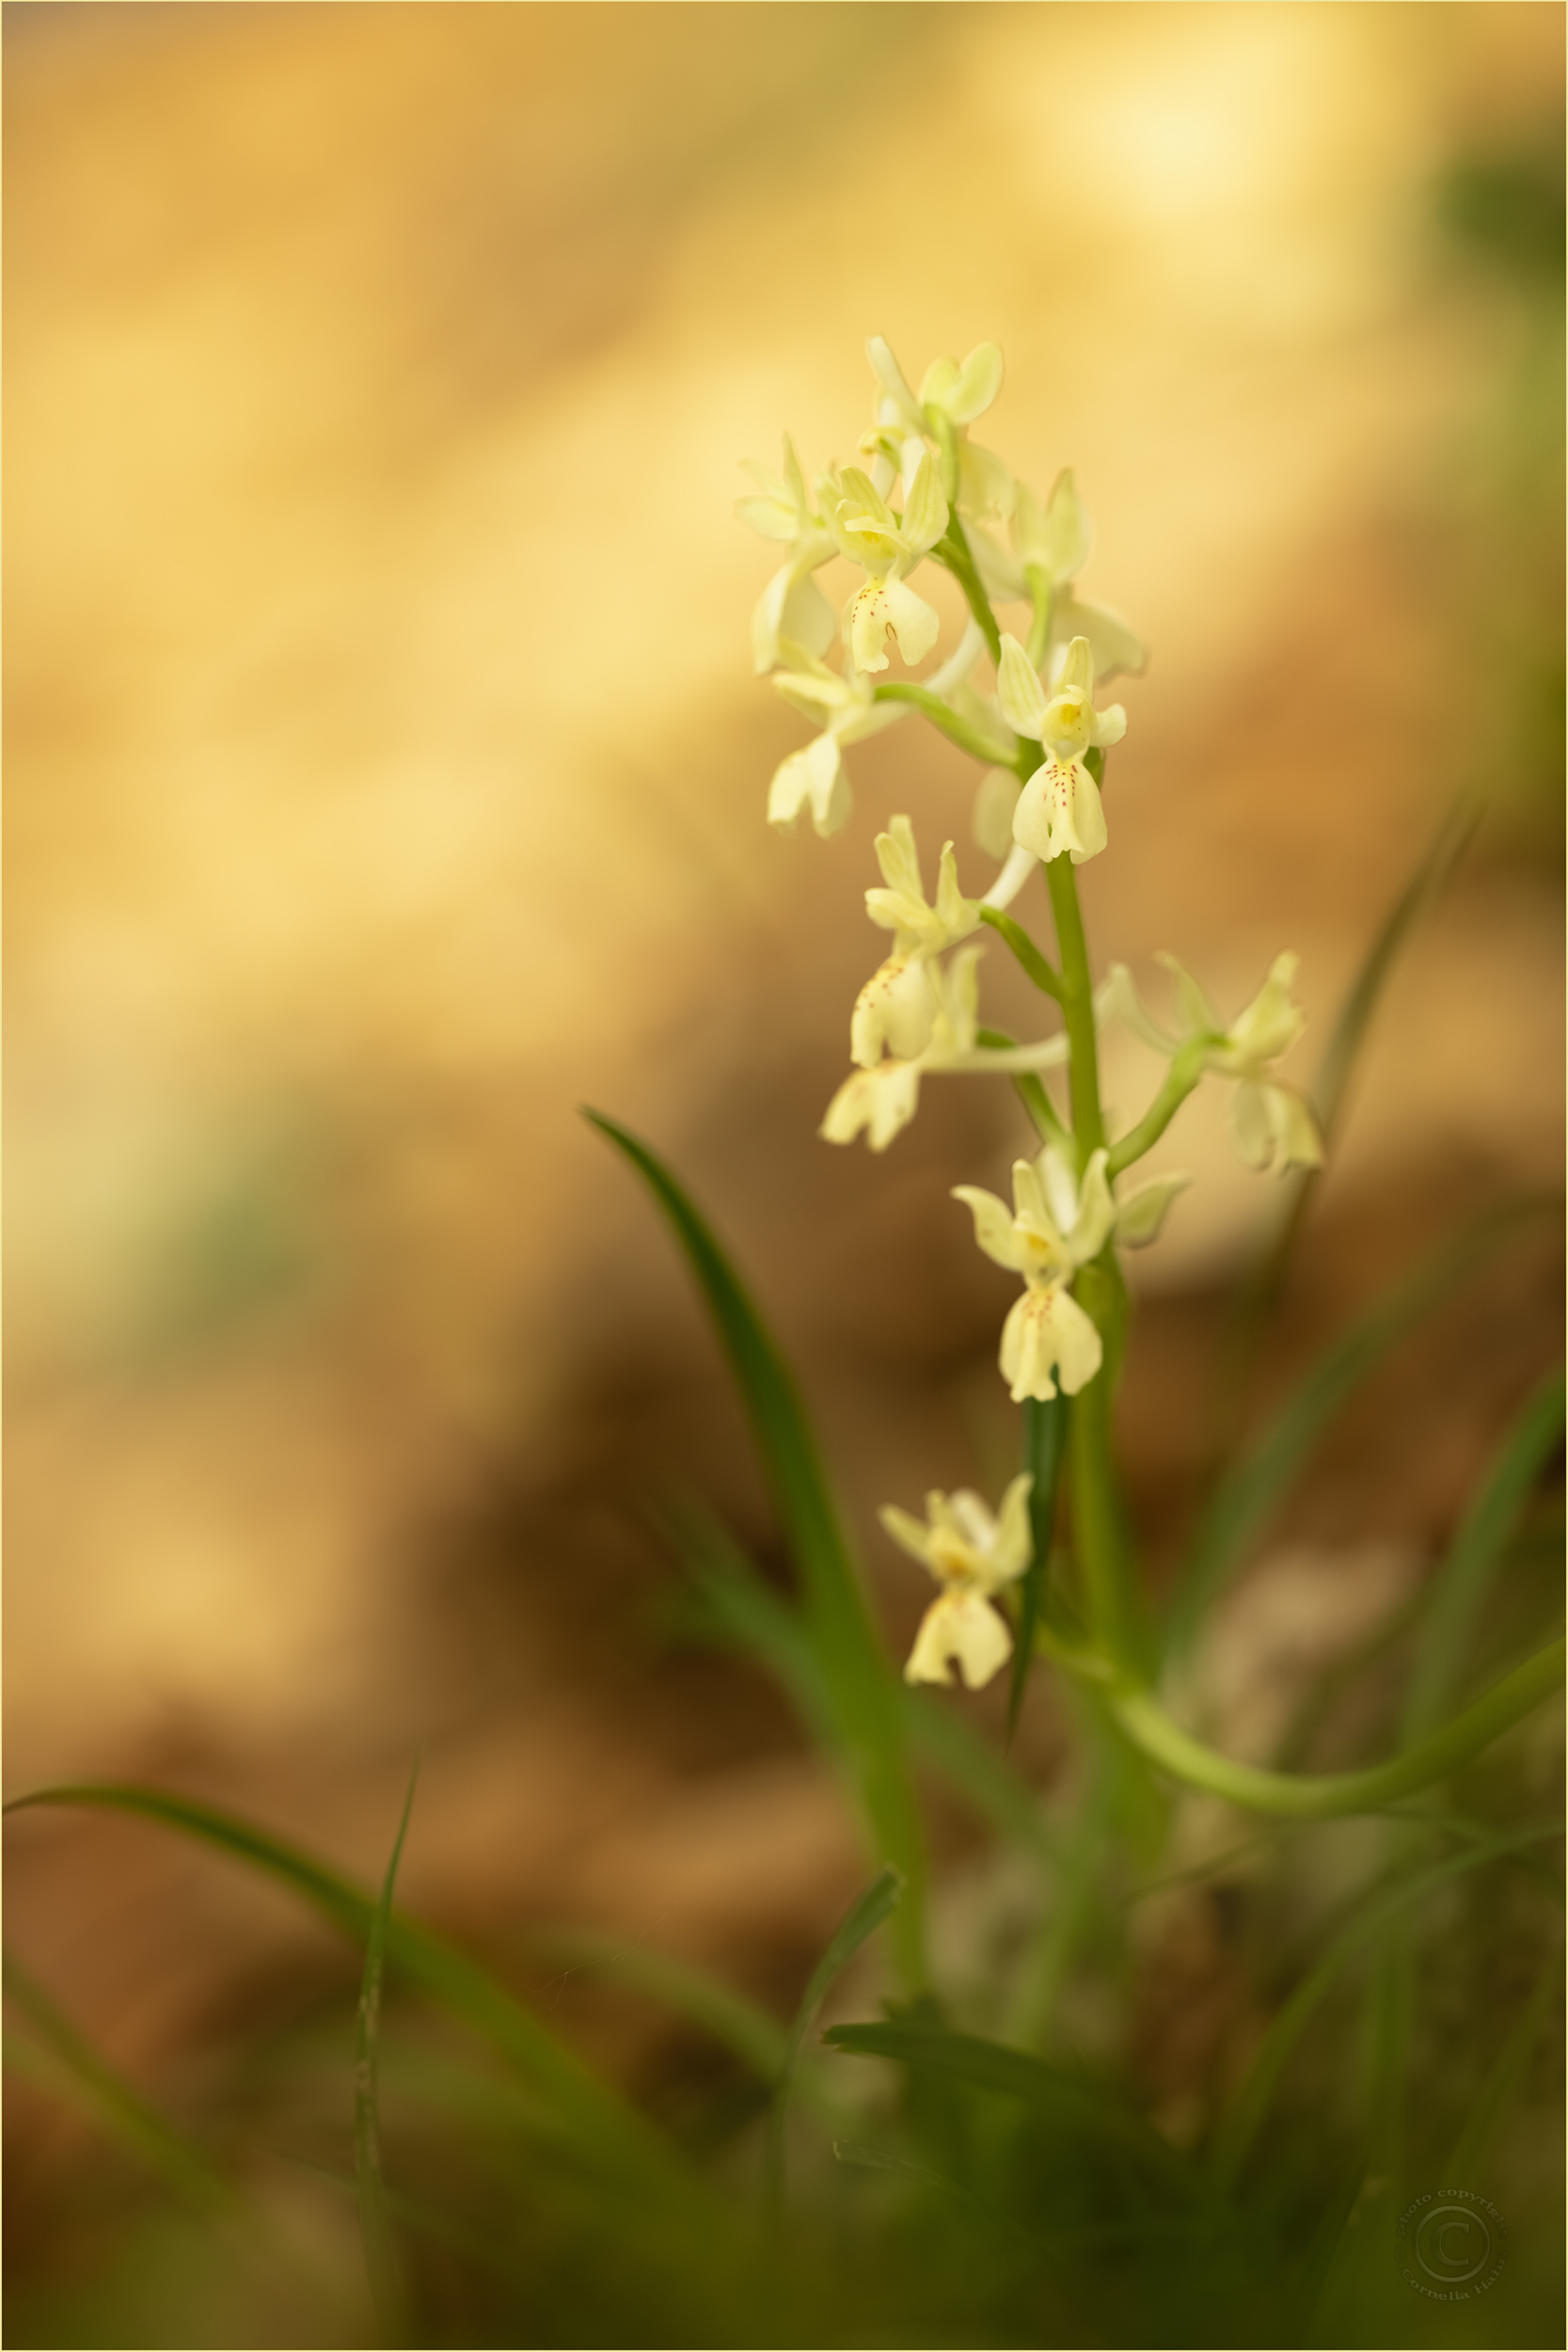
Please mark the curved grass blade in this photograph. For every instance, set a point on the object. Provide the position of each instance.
(863, 1917)
(1239, 2127)
(1460, 1586)
(1044, 1444)
(1084, 2109)
(740, 2025)
(1505, 2078)
(582, 2111)
(375, 2228)
(863, 1689)
(1246, 1493)
(117, 2106)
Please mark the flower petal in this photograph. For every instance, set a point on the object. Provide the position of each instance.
(1014, 1547)
(1066, 534)
(978, 381)
(1081, 824)
(911, 619)
(1048, 1331)
(910, 1534)
(893, 1010)
(963, 1626)
(1142, 1211)
(883, 1101)
(1018, 690)
(994, 1224)
(813, 776)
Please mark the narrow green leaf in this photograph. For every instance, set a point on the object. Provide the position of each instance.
(1240, 2125)
(1460, 1586)
(589, 2116)
(1044, 1445)
(1076, 2105)
(863, 1689)
(740, 2025)
(118, 2108)
(375, 2228)
(1246, 1493)
(863, 1917)
(1505, 2078)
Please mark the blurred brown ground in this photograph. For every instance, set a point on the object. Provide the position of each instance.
(386, 779)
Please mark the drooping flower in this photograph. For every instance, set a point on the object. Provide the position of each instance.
(845, 709)
(897, 1007)
(1271, 1120)
(1055, 1226)
(886, 547)
(792, 608)
(882, 1098)
(972, 1554)
(1058, 809)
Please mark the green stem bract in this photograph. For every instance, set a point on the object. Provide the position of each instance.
(958, 730)
(1042, 596)
(1319, 1796)
(952, 550)
(1045, 976)
(1183, 1076)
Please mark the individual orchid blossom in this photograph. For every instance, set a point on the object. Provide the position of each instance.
(792, 607)
(1058, 809)
(887, 546)
(1271, 1120)
(972, 1554)
(884, 1098)
(845, 709)
(897, 1007)
(1055, 1226)
(1050, 545)
(952, 394)
(814, 776)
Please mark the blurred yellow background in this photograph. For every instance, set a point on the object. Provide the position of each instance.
(386, 778)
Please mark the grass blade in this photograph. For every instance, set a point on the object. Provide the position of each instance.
(585, 2113)
(115, 2106)
(1044, 1444)
(1505, 2078)
(739, 2024)
(1085, 2109)
(1459, 1587)
(1246, 1493)
(1240, 2125)
(864, 1917)
(375, 2228)
(863, 1689)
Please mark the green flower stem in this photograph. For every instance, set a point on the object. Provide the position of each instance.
(1184, 1073)
(1319, 1796)
(1045, 976)
(968, 739)
(1088, 1123)
(952, 550)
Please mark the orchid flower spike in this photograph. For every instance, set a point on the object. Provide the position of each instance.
(1272, 1122)
(792, 607)
(886, 547)
(972, 1555)
(1059, 806)
(897, 1007)
(846, 711)
(1055, 1226)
